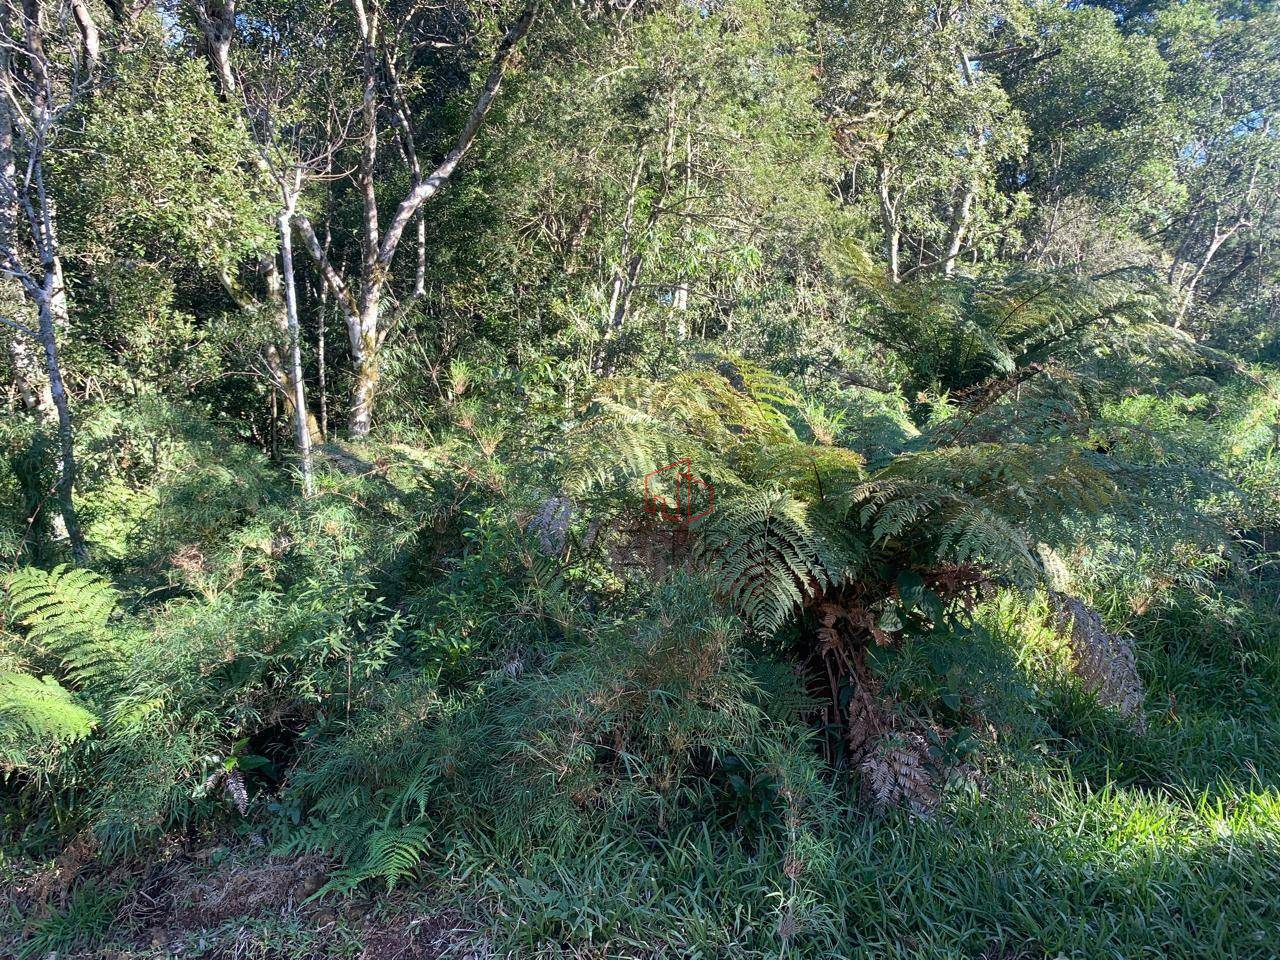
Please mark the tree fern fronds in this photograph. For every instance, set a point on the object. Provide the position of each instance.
(720, 406)
(766, 389)
(957, 331)
(1151, 339)
(973, 533)
(620, 445)
(66, 611)
(890, 506)
(721, 419)
(811, 472)
(767, 557)
(1019, 480)
(1034, 404)
(37, 713)
(1105, 661)
(961, 527)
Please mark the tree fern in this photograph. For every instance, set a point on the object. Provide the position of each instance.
(66, 612)
(37, 713)
(794, 519)
(956, 331)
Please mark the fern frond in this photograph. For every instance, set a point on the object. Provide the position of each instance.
(394, 853)
(767, 554)
(813, 472)
(957, 331)
(37, 712)
(620, 444)
(1020, 481)
(66, 611)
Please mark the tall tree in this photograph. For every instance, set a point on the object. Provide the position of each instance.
(923, 124)
(361, 297)
(260, 290)
(663, 175)
(44, 73)
(294, 100)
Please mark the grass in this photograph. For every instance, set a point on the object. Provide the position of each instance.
(1044, 867)
(1089, 840)
(1080, 839)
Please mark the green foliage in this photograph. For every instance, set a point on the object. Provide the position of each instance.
(37, 714)
(86, 919)
(161, 169)
(678, 149)
(66, 613)
(616, 724)
(948, 303)
(1100, 114)
(770, 557)
(953, 334)
(794, 519)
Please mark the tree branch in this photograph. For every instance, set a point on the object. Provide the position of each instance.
(20, 328)
(430, 185)
(331, 276)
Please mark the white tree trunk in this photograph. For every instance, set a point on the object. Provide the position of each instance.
(302, 430)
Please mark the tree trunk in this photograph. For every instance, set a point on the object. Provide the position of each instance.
(277, 368)
(52, 316)
(48, 294)
(321, 370)
(365, 343)
(680, 298)
(361, 309)
(280, 368)
(892, 234)
(217, 21)
(1187, 294)
(955, 232)
(302, 429)
(33, 386)
(90, 38)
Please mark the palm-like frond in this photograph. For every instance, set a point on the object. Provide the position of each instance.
(955, 332)
(37, 713)
(797, 519)
(66, 612)
(769, 552)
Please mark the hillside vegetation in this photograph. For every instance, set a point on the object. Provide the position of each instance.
(744, 479)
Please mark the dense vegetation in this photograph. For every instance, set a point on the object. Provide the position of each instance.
(348, 344)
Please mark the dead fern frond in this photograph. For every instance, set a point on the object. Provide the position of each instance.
(1104, 661)
(896, 772)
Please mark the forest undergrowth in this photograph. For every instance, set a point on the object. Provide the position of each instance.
(743, 479)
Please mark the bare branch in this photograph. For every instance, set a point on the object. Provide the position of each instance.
(430, 186)
(331, 276)
(20, 328)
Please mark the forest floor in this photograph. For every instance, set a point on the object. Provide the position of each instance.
(210, 902)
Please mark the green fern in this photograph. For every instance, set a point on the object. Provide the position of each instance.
(957, 331)
(66, 612)
(37, 714)
(768, 554)
(794, 519)
(393, 853)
